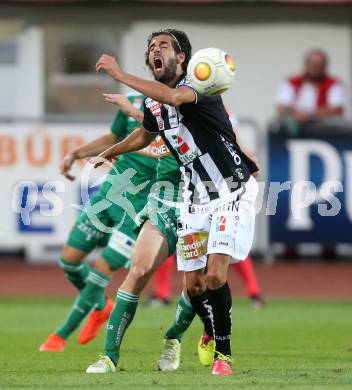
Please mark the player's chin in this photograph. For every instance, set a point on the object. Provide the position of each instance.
(159, 73)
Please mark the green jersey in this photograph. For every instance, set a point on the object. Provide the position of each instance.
(143, 161)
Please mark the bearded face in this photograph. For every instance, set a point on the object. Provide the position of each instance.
(163, 59)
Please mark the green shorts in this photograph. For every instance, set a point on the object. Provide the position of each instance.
(162, 211)
(106, 224)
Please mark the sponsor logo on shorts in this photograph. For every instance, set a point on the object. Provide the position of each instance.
(230, 206)
(89, 230)
(200, 210)
(221, 223)
(222, 241)
(193, 246)
(121, 243)
(179, 225)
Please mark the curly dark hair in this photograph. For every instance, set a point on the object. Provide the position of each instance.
(180, 43)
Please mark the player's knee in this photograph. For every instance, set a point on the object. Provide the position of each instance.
(195, 291)
(103, 266)
(215, 279)
(140, 273)
(195, 285)
(216, 275)
(73, 255)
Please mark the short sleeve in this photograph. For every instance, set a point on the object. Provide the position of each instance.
(149, 122)
(186, 83)
(285, 95)
(119, 125)
(337, 96)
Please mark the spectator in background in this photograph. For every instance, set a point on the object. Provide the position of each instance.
(314, 94)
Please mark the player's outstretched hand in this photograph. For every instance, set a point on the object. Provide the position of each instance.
(120, 100)
(123, 103)
(66, 165)
(110, 65)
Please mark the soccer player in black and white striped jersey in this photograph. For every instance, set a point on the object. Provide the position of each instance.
(217, 217)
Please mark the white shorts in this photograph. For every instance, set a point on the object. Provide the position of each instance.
(222, 226)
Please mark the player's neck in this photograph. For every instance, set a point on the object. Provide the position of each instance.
(172, 83)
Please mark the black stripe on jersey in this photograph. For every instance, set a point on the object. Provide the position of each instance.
(191, 187)
(212, 144)
(171, 149)
(165, 117)
(206, 180)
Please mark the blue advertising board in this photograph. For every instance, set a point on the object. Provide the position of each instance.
(310, 188)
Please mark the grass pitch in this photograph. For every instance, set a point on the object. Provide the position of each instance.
(287, 345)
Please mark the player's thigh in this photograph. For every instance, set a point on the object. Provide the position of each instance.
(164, 221)
(151, 248)
(150, 251)
(118, 252)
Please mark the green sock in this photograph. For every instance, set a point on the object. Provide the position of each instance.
(183, 319)
(77, 274)
(89, 298)
(120, 319)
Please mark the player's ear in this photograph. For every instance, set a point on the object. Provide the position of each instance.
(181, 57)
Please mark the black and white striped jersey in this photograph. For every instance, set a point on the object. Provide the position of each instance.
(201, 138)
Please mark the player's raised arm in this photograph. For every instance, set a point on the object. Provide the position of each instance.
(139, 139)
(154, 89)
(104, 142)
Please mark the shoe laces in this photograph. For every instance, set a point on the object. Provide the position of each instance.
(103, 360)
(225, 358)
(206, 340)
(170, 350)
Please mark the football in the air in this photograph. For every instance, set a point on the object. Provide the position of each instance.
(211, 71)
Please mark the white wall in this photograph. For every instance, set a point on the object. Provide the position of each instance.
(21, 83)
(267, 42)
(264, 54)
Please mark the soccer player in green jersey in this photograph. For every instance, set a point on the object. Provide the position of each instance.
(156, 241)
(107, 221)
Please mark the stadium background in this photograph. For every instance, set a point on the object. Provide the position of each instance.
(50, 100)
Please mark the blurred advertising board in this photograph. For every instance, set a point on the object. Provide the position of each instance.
(310, 186)
(39, 206)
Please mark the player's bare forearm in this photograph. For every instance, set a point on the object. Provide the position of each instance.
(90, 149)
(138, 115)
(158, 91)
(125, 105)
(137, 140)
(154, 89)
(95, 147)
